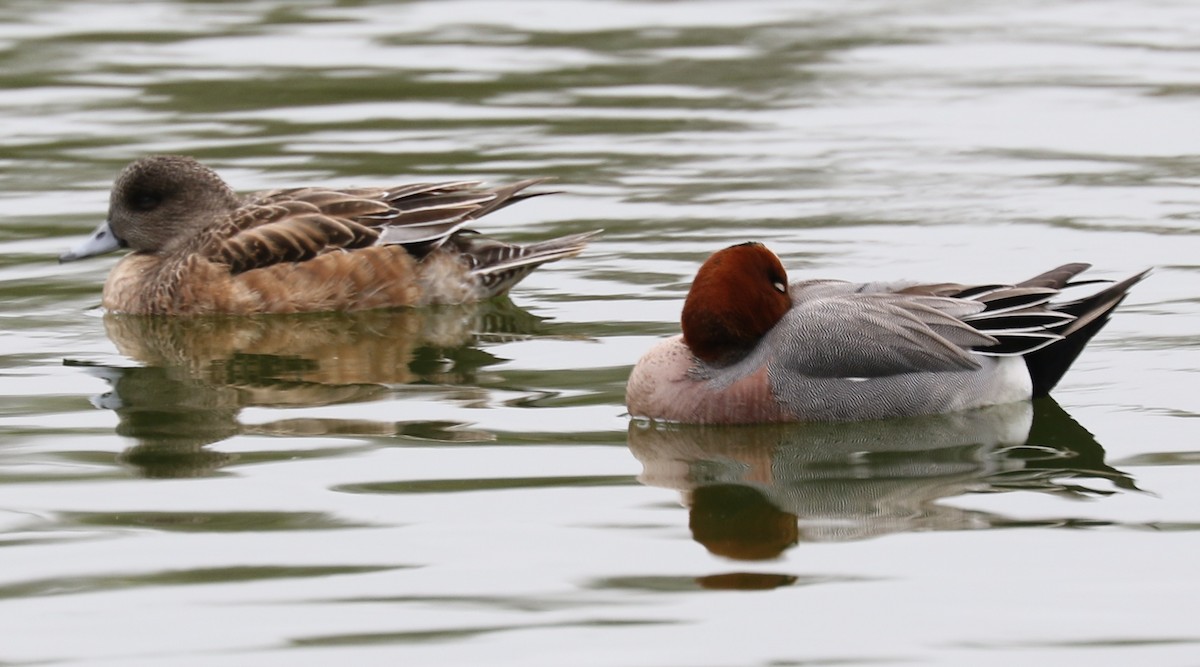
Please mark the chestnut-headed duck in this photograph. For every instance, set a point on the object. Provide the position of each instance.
(199, 248)
(756, 349)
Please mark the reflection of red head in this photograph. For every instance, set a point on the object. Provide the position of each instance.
(745, 581)
(739, 522)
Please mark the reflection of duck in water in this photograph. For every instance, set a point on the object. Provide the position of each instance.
(754, 491)
(200, 373)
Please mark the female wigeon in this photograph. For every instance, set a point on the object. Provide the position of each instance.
(755, 349)
(199, 248)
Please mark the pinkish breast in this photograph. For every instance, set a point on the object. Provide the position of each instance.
(661, 387)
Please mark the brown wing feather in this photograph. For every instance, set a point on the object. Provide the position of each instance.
(257, 236)
(299, 224)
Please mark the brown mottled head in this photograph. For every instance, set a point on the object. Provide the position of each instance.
(161, 199)
(739, 294)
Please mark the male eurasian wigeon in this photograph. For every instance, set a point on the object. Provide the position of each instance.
(755, 349)
(199, 248)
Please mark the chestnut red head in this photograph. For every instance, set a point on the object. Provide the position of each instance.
(738, 295)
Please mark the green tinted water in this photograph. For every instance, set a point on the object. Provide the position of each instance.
(461, 485)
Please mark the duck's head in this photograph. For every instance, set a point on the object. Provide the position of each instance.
(738, 295)
(156, 201)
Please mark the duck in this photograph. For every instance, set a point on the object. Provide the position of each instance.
(755, 348)
(199, 248)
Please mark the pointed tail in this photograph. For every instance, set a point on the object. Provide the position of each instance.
(499, 266)
(1048, 364)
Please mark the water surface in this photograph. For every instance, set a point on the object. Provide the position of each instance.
(461, 485)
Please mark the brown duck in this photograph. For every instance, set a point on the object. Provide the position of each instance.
(199, 248)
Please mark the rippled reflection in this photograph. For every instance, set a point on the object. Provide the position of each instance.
(753, 492)
(200, 373)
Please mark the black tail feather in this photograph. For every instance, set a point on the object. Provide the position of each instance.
(1048, 364)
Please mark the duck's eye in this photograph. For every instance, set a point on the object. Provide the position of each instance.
(146, 201)
(779, 287)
